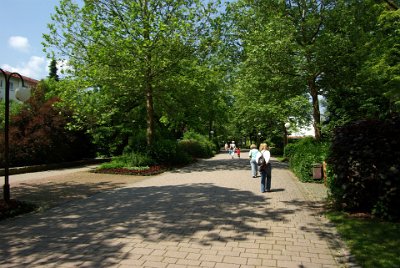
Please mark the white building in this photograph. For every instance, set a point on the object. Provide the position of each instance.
(15, 82)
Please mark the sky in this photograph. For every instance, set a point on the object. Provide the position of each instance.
(23, 23)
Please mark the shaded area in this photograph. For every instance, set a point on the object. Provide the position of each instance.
(106, 227)
(14, 207)
(49, 191)
(225, 164)
(50, 194)
(167, 213)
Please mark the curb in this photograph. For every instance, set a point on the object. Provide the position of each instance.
(44, 167)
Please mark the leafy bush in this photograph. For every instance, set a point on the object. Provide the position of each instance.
(290, 149)
(163, 152)
(303, 154)
(129, 160)
(38, 135)
(365, 161)
(168, 152)
(197, 145)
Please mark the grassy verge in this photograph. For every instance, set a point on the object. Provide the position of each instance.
(374, 243)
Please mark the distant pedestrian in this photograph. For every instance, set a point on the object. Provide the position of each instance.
(252, 157)
(226, 147)
(232, 149)
(265, 169)
(238, 152)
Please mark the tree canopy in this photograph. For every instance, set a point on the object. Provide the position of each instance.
(237, 69)
(148, 54)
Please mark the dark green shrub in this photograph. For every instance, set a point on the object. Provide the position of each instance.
(276, 151)
(303, 154)
(168, 152)
(365, 161)
(136, 142)
(133, 159)
(197, 145)
(290, 149)
(193, 148)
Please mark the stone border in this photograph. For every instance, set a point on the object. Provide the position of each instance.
(44, 167)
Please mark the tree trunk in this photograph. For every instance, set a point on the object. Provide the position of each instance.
(150, 112)
(315, 103)
(285, 137)
(148, 79)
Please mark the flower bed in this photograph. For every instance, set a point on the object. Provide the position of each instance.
(153, 170)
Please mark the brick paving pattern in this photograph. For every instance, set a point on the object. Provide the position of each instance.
(210, 214)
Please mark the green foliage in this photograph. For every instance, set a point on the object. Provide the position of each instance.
(363, 80)
(303, 154)
(374, 243)
(290, 149)
(15, 108)
(53, 70)
(38, 134)
(129, 160)
(197, 145)
(169, 153)
(150, 63)
(365, 161)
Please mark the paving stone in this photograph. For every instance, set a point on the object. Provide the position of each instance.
(209, 214)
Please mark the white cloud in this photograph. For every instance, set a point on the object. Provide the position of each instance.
(34, 68)
(19, 43)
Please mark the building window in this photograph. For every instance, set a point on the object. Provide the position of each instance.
(1, 83)
(11, 86)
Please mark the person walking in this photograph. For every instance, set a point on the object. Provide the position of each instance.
(252, 157)
(238, 152)
(265, 167)
(232, 149)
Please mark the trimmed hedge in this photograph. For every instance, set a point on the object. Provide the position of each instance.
(365, 161)
(303, 154)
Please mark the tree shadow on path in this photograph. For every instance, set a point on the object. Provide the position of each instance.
(222, 162)
(87, 231)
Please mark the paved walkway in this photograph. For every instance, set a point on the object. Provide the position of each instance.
(210, 214)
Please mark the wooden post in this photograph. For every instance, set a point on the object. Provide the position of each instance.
(324, 172)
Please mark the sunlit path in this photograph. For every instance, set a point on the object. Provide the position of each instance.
(210, 214)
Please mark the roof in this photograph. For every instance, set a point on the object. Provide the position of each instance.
(28, 80)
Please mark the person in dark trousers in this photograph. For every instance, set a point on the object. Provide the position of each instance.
(265, 169)
(252, 157)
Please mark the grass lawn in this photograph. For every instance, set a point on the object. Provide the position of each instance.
(374, 243)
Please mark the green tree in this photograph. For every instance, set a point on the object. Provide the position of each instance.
(361, 80)
(53, 70)
(274, 70)
(136, 53)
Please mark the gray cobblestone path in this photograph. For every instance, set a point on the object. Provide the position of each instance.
(210, 214)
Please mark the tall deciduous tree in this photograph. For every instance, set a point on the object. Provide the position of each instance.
(360, 81)
(282, 43)
(132, 49)
(344, 50)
